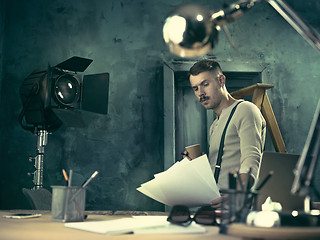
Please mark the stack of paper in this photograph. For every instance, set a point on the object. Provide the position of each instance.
(137, 225)
(189, 183)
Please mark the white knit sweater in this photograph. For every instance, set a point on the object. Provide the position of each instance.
(244, 141)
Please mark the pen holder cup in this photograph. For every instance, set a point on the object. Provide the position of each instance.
(237, 204)
(68, 204)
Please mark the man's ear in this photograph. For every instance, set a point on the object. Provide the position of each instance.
(222, 79)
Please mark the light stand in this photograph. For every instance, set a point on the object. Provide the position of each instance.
(39, 197)
(56, 96)
(38, 159)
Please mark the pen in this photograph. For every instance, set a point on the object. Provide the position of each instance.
(89, 180)
(246, 188)
(239, 180)
(246, 201)
(65, 177)
(84, 185)
(248, 180)
(265, 180)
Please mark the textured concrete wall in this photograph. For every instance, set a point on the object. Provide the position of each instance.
(2, 7)
(125, 146)
(124, 38)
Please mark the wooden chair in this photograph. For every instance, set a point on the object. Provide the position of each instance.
(261, 99)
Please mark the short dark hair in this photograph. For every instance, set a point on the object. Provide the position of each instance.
(203, 66)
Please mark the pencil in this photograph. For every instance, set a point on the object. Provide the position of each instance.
(70, 177)
(65, 177)
(232, 181)
(239, 180)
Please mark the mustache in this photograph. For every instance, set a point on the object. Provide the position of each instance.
(203, 98)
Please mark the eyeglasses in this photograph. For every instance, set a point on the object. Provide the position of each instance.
(181, 215)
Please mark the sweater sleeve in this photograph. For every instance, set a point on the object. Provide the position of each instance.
(251, 129)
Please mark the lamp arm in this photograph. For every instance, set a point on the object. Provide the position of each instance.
(237, 9)
(307, 32)
(192, 39)
(232, 12)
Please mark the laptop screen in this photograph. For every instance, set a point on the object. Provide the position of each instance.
(279, 185)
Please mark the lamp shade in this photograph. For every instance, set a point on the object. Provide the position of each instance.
(189, 31)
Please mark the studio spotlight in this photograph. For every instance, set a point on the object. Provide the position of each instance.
(56, 95)
(59, 95)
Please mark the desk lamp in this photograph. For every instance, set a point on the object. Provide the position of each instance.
(192, 30)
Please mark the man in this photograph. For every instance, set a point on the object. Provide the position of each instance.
(245, 133)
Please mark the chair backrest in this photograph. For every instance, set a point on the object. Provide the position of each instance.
(279, 185)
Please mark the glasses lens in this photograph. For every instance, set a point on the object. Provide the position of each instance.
(205, 215)
(179, 214)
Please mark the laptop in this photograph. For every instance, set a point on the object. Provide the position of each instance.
(279, 185)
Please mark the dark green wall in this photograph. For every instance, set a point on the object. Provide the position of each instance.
(124, 38)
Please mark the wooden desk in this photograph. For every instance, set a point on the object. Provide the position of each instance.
(43, 228)
(287, 233)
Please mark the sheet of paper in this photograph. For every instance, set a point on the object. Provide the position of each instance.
(118, 226)
(173, 167)
(202, 166)
(189, 183)
(153, 191)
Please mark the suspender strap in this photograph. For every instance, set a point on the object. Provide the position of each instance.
(220, 153)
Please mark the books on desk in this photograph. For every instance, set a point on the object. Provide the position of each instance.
(189, 183)
(137, 225)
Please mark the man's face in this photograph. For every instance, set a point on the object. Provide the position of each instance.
(207, 88)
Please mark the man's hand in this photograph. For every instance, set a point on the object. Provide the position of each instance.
(245, 182)
(185, 154)
(217, 203)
